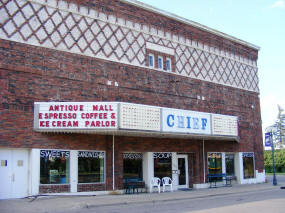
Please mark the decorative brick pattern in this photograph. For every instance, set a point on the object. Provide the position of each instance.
(69, 27)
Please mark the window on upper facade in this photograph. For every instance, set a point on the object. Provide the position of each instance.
(160, 62)
(168, 64)
(151, 60)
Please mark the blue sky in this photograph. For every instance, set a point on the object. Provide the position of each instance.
(260, 22)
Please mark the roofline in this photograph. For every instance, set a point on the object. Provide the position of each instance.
(188, 22)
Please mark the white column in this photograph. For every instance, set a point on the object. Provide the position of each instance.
(239, 167)
(224, 165)
(73, 170)
(148, 168)
(34, 171)
(224, 162)
(174, 167)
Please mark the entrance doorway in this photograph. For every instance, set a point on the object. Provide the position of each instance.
(183, 179)
(13, 173)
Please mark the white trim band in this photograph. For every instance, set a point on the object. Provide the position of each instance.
(160, 48)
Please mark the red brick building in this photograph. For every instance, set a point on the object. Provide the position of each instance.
(94, 93)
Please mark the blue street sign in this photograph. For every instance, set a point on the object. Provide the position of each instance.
(268, 139)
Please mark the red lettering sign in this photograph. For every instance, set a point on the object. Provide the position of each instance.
(71, 115)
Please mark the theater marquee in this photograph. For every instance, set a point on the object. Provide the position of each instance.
(127, 118)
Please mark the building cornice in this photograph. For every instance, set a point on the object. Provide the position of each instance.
(189, 22)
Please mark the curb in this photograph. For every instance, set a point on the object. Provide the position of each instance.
(170, 199)
(50, 203)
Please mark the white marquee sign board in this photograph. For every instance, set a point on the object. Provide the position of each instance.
(139, 117)
(185, 121)
(75, 115)
(224, 125)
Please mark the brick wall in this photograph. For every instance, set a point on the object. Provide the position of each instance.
(90, 187)
(54, 188)
(30, 74)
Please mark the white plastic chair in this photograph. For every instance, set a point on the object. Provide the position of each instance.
(166, 181)
(155, 182)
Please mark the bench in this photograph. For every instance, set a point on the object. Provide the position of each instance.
(214, 178)
(132, 185)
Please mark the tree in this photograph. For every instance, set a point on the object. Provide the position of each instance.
(279, 161)
(279, 133)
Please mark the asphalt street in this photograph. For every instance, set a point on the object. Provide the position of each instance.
(272, 201)
(259, 198)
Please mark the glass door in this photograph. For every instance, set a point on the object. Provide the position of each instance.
(183, 171)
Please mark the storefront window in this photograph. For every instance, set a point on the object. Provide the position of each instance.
(162, 164)
(54, 167)
(133, 166)
(90, 167)
(230, 164)
(248, 165)
(214, 163)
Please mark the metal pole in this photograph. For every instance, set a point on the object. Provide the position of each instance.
(273, 162)
(113, 162)
(204, 161)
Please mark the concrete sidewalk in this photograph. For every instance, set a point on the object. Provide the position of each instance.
(54, 204)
